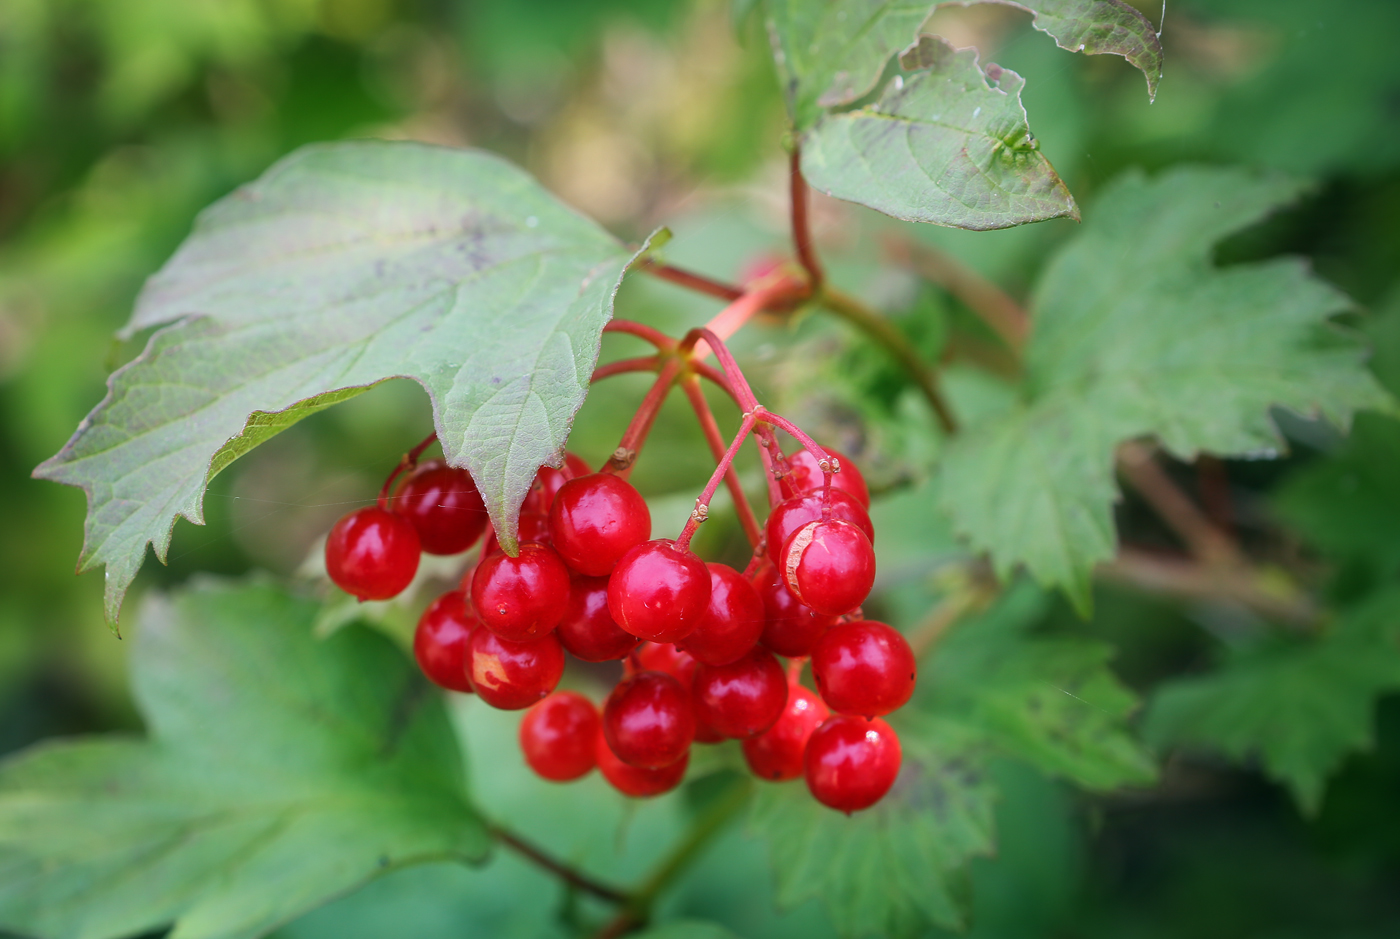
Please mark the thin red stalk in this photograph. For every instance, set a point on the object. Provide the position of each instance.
(702, 505)
(714, 375)
(410, 460)
(774, 463)
(620, 464)
(691, 386)
(642, 331)
(692, 281)
(646, 363)
(801, 223)
(743, 393)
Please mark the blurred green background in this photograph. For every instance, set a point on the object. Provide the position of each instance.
(119, 121)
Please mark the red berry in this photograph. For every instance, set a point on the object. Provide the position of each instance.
(513, 675)
(635, 781)
(776, 754)
(521, 598)
(440, 642)
(791, 514)
(587, 630)
(851, 762)
(549, 481)
(659, 591)
(444, 507)
(557, 736)
(372, 553)
(665, 657)
(733, 623)
(595, 520)
(741, 699)
(807, 476)
(790, 627)
(864, 668)
(829, 566)
(533, 526)
(648, 720)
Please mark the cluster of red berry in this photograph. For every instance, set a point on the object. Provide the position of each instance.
(699, 642)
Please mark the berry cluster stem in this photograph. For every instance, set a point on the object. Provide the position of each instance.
(691, 387)
(801, 223)
(625, 456)
(702, 505)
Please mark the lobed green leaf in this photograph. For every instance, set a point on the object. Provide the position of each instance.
(345, 265)
(279, 772)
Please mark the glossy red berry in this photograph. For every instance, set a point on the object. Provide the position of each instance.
(791, 514)
(549, 481)
(807, 476)
(440, 641)
(595, 520)
(829, 566)
(665, 657)
(557, 736)
(444, 507)
(521, 598)
(864, 668)
(776, 754)
(533, 526)
(741, 699)
(790, 627)
(587, 630)
(513, 675)
(659, 591)
(851, 763)
(372, 553)
(635, 781)
(648, 720)
(733, 623)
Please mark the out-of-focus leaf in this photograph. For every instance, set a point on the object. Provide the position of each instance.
(688, 929)
(1299, 705)
(1137, 333)
(345, 265)
(832, 52)
(279, 772)
(942, 145)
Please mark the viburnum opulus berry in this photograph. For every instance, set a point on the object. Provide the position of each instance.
(741, 699)
(648, 720)
(777, 753)
(829, 566)
(864, 668)
(440, 641)
(513, 675)
(444, 507)
(596, 519)
(587, 630)
(659, 591)
(802, 509)
(732, 624)
(851, 762)
(557, 736)
(790, 627)
(549, 481)
(372, 553)
(636, 781)
(523, 597)
(807, 476)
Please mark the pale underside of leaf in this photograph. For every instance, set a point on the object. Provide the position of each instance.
(1136, 333)
(831, 53)
(343, 266)
(280, 772)
(942, 146)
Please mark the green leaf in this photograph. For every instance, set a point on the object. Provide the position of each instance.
(947, 143)
(1300, 705)
(345, 265)
(1349, 504)
(990, 689)
(279, 772)
(1137, 333)
(892, 868)
(687, 929)
(831, 53)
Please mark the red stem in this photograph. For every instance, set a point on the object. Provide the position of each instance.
(702, 504)
(642, 331)
(692, 281)
(801, 224)
(646, 363)
(715, 439)
(714, 375)
(620, 463)
(742, 392)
